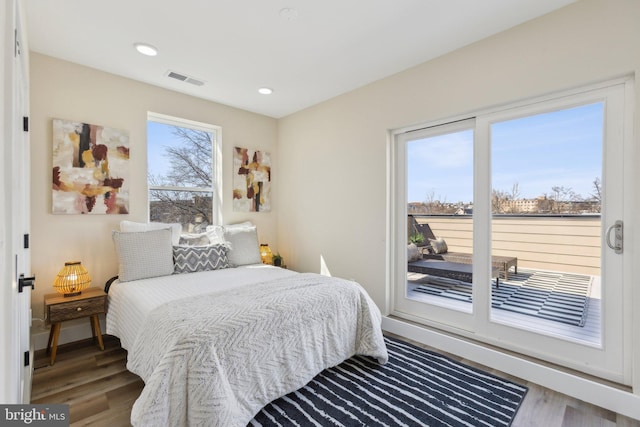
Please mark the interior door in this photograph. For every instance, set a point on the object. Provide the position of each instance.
(22, 281)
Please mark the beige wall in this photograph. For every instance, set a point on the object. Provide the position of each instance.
(333, 156)
(64, 90)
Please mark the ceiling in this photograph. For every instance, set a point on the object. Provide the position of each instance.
(309, 52)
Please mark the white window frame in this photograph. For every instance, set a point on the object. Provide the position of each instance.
(216, 159)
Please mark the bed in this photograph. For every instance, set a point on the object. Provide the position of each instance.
(213, 347)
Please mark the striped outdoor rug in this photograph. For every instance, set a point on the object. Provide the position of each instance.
(415, 388)
(561, 297)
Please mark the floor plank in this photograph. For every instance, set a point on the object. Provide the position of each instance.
(101, 392)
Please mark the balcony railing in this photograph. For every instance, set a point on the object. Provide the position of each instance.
(559, 243)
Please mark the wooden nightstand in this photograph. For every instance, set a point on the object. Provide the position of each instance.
(90, 303)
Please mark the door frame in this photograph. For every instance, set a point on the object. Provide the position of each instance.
(487, 332)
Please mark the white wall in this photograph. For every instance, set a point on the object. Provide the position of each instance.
(69, 91)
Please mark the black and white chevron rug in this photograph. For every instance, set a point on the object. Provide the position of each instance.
(415, 388)
(561, 297)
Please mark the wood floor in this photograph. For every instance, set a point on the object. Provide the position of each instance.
(100, 391)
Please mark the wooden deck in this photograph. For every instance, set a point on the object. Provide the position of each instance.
(589, 334)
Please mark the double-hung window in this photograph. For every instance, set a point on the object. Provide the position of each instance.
(183, 176)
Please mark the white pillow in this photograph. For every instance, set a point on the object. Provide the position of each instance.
(413, 253)
(194, 239)
(176, 229)
(244, 246)
(215, 233)
(143, 254)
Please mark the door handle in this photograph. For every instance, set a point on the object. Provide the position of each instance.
(26, 281)
(619, 235)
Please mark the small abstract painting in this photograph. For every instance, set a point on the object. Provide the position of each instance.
(251, 180)
(90, 169)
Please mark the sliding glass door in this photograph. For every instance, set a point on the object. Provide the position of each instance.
(507, 228)
(557, 187)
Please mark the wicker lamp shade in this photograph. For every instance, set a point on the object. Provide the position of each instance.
(72, 279)
(265, 254)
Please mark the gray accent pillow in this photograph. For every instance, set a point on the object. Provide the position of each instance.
(190, 259)
(143, 254)
(243, 241)
(438, 245)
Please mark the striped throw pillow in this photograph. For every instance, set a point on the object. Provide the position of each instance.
(190, 259)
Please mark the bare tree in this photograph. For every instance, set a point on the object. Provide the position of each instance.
(503, 201)
(596, 196)
(190, 166)
(434, 204)
(545, 204)
(515, 191)
(499, 201)
(563, 198)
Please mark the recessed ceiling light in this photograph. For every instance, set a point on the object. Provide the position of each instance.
(265, 91)
(289, 14)
(146, 49)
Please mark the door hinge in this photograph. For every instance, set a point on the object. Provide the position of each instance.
(25, 241)
(27, 358)
(25, 124)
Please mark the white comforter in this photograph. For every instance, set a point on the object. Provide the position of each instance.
(216, 358)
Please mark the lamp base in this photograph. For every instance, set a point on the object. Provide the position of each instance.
(72, 294)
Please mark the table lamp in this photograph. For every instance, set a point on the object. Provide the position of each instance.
(265, 254)
(72, 279)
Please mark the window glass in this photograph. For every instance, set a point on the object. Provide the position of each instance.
(180, 172)
(548, 163)
(440, 208)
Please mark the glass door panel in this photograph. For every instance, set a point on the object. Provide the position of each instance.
(440, 218)
(546, 203)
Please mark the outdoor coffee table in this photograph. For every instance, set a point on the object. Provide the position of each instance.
(449, 270)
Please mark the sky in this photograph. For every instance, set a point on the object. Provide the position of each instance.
(560, 148)
(159, 137)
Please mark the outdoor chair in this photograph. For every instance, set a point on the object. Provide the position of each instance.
(501, 263)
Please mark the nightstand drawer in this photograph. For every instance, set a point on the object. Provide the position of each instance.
(75, 309)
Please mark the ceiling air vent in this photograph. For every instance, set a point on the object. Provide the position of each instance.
(183, 78)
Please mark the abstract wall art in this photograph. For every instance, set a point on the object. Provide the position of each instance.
(90, 169)
(251, 180)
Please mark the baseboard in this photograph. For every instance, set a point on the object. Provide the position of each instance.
(611, 398)
(73, 330)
